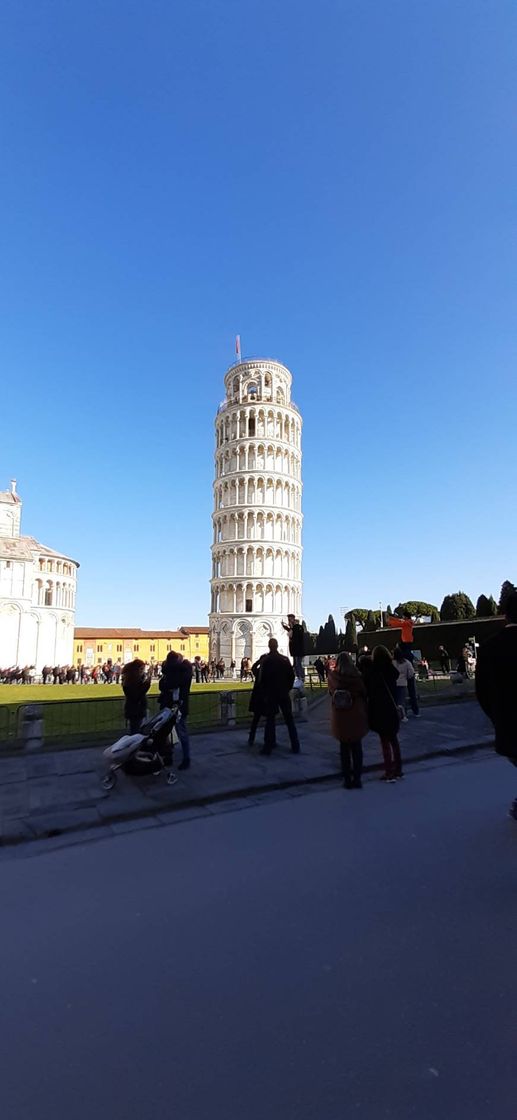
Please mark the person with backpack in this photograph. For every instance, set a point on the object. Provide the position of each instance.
(380, 676)
(135, 685)
(348, 717)
(174, 687)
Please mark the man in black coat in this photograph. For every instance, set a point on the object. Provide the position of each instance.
(276, 681)
(496, 685)
(174, 686)
(296, 644)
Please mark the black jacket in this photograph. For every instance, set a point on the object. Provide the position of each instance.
(496, 687)
(296, 639)
(135, 692)
(381, 684)
(176, 674)
(276, 679)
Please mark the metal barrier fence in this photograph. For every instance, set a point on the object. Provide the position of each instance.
(91, 718)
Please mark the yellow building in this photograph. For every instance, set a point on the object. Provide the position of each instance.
(94, 646)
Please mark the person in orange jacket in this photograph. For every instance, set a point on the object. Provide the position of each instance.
(405, 624)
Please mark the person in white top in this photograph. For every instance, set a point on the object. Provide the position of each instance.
(405, 684)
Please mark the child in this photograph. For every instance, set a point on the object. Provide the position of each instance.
(135, 683)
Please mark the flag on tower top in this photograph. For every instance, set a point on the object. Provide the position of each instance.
(238, 345)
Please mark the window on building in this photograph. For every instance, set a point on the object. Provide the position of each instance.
(169, 647)
(249, 606)
(79, 649)
(136, 648)
(251, 426)
(99, 649)
(182, 645)
(8, 563)
(119, 649)
(79, 662)
(152, 649)
(99, 661)
(197, 645)
(48, 596)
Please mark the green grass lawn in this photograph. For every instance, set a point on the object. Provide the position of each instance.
(72, 712)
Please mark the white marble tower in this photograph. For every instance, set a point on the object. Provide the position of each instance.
(257, 519)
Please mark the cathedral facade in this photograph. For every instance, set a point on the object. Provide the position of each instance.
(257, 519)
(37, 595)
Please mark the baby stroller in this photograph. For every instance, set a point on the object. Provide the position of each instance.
(148, 752)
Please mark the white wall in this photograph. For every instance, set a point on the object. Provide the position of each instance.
(35, 636)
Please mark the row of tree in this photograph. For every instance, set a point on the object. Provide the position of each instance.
(455, 608)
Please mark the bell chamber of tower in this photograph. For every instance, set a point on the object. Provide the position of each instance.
(257, 519)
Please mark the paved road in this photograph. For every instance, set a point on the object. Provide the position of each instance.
(332, 955)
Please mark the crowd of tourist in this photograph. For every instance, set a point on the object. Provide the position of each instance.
(110, 673)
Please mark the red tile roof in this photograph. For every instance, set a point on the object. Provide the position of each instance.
(114, 632)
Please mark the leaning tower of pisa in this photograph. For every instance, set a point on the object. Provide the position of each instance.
(257, 519)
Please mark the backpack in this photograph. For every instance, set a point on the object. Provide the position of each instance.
(342, 699)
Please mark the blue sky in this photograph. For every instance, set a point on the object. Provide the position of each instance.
(335, 181)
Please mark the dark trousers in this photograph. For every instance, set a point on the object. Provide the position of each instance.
(411, 687)
(253, 729)
(391, 751)
(298, 668)
(135, 717)
(351, 761)
(270, 735)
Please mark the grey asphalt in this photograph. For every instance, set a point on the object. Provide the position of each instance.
(60, 792)
(337, 954)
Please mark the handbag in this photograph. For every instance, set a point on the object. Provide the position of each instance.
(342, 699)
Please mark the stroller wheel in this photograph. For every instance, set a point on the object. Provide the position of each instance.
(109, 781)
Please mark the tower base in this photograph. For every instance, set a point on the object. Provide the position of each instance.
(233, 637)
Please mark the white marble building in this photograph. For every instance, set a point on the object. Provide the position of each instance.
(257, 519)
(37, 595)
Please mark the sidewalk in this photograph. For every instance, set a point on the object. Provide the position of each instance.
(55, 793)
